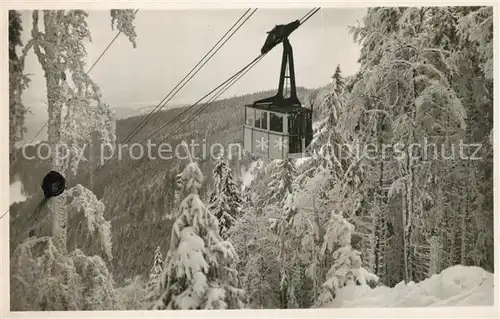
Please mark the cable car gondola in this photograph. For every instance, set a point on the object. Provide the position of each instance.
(279, 127)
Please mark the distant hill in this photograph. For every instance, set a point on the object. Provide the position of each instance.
(38, 119)
(123, 112)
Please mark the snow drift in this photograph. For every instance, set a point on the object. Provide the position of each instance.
(454, 286)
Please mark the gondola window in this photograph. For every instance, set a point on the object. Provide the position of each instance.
(249, 116)
(257, 118)
(276, 122)
(264, 120)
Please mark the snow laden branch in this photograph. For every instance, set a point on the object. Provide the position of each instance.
(43, 279)
(84, 200)
(476, 30)
(123, 21)
(346, 269)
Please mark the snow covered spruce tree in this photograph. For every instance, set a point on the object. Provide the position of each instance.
(338, 81)
(281, 181)
(199, 271)
(155, 273)
(346, 268)
(225, 198)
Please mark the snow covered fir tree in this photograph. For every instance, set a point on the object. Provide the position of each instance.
(155, 273)
(225, 199)
(198, 273)
(359, 220)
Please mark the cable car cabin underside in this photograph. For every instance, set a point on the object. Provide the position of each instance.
(279, 127)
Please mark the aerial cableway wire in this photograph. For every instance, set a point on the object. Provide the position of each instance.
(308, 15)
(190, 107)
(222, 89)
(189, 76)
(249, 65)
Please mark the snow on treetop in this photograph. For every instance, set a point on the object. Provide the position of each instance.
(191, 177)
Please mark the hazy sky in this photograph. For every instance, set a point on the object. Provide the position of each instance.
(170, 43)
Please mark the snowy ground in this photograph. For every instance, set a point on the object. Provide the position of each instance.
(454, 286)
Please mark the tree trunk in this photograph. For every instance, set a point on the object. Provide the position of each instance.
(404, 237)
(380, 218)
(465, 213)
(283, 277)
(434, 256)
(49, 59)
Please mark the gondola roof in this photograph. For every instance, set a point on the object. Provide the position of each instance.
(286, 109)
